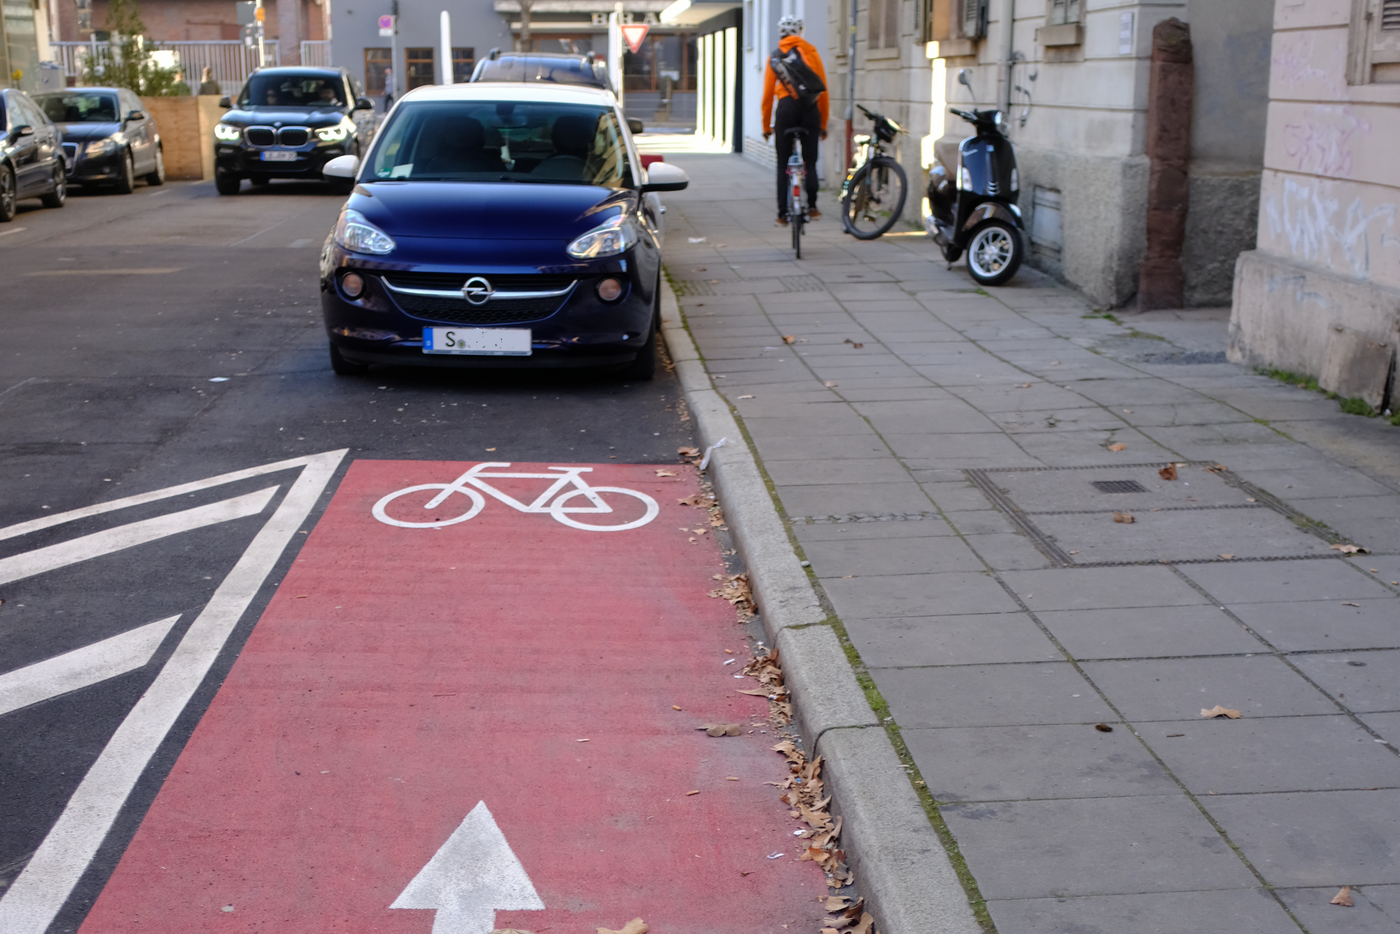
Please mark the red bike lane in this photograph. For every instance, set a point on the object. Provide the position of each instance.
(473, 727)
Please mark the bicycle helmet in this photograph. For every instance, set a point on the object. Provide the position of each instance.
(790, 26)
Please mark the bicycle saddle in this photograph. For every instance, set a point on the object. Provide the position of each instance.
(797, 131)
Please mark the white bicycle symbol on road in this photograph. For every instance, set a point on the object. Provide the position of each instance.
(556, 505)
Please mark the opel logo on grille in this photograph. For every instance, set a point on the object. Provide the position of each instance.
(477, 291)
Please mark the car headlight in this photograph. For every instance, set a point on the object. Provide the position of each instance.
(226, 132)
(100, 147)
(617, 235)
(333, 134)
(358, 235)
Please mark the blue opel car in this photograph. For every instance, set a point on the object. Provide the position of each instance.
(497, 225)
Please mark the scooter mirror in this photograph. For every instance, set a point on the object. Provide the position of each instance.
(965, 77)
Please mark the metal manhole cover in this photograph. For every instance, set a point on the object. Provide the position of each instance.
(1118, 486)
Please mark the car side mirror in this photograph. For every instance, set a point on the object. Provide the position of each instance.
(341, 167)
(24, 130)
(662, 176)
(363, 103)
(635, 125)
(136, 115)
(225, 103)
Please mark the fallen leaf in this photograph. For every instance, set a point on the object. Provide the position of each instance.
(834, 902)
(721, 729)
(1103, 727)
(866, 925)
(665, 473)
(635, 926)
(1349, 603)
(731, 778)
(1118, 446)
(582, 740)
(1124, 517)
(688, 452)
(854, 344)
(1227, 557)
(1168, 472)
(1026, 386)
(1218, 711)
(490, 449)
(689, 793)
(674, 707)
(789, 339)
(1218, 468)
(829, 384)
(1172, 735)
(1343, 897)
(1351, 549)
(746, 397)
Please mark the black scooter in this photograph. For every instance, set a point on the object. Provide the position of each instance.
(976, 211)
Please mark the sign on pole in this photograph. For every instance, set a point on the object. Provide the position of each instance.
(634, 33)
(386, 25)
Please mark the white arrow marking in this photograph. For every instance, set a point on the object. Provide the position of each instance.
(126, 536)
(33, 900)
(82, 667)
(474, 875)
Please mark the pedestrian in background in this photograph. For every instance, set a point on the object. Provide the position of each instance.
(207, 84)
(799, 105)
(388, 89)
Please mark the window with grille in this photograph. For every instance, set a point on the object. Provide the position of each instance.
(974, 18)
(420, 66)
(463, 64)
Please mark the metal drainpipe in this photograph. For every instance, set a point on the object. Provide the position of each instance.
(851, 84)
(1008, 59)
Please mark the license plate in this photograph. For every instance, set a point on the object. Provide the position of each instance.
(481, 342)
(279, 157)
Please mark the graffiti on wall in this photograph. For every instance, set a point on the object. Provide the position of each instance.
(1324, 146)
(1316, 228)
(1300, 66)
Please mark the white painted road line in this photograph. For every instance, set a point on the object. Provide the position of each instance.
(80, 668)
(36, 896)
(45, 522)
(126, 536)
(471, 877)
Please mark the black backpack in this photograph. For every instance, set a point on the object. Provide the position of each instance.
(800, 80)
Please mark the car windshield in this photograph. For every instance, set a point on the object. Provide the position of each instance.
(284, 90)
(79, 107)
(478, 141)
(547, 70)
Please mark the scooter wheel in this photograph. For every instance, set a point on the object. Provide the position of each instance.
(994, 252)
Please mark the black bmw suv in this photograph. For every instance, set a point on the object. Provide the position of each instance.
(287, 123)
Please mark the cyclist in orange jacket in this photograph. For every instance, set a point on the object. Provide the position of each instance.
(792, 113)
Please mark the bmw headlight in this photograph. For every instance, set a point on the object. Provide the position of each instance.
(226, 132)
(617, 235)
(100, 147)
(333, 134)
(358, 235)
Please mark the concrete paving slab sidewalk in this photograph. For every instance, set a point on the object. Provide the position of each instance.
(947, 459)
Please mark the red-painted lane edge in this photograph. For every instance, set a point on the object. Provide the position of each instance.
(400, 676)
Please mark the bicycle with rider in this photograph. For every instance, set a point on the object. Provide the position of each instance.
(793, 112)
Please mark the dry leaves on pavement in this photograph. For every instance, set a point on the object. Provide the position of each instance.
(1218, 468)
(635, 926)
(1351, 549)
(1343, 897)
(803, 793)
(1124, 517)
(770, 674)
(789, 339)
(1118, 446)
(736, 590)
(854, 344)
(849, 918)
(1218, 711)
(721, 729)
(1168, 472)
(687, 451)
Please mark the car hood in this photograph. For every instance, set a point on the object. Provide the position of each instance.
(285, 116)
(85, 131)
(488, 210)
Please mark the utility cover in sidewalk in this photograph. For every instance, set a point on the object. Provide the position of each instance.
(1203, 515)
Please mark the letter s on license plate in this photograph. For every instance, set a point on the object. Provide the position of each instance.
(480, 342)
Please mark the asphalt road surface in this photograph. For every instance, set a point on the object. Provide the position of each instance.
(163, 342)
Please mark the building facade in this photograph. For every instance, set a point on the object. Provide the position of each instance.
(24, 43)
(1320, 296)
(1074, 79)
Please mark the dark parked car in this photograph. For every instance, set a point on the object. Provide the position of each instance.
(108, 138)
(31, 164)
(286, 123)
(543, 68)
(498, 225)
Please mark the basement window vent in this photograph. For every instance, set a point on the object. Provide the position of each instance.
(1046, 238)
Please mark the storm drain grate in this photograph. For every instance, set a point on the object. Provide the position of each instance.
(1118, 486)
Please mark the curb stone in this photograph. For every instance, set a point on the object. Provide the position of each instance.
(899, 861)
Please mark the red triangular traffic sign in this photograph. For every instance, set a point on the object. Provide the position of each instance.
(634, 33)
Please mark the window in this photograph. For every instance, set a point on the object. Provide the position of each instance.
(376, 61)
(1062, 12)
(420, 68)
(974, 18)
(1375, 43)
(463, 64)
(884, 24)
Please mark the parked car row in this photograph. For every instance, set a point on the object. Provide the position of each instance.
(83, 136)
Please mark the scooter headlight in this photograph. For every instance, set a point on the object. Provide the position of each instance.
(1015, 180)
(964, 178)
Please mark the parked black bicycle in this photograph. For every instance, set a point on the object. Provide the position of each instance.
(872, 196)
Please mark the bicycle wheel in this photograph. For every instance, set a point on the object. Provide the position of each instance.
(382, 514)
(794, 213)
(560, 512)
(875, 198)
(797, 233)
